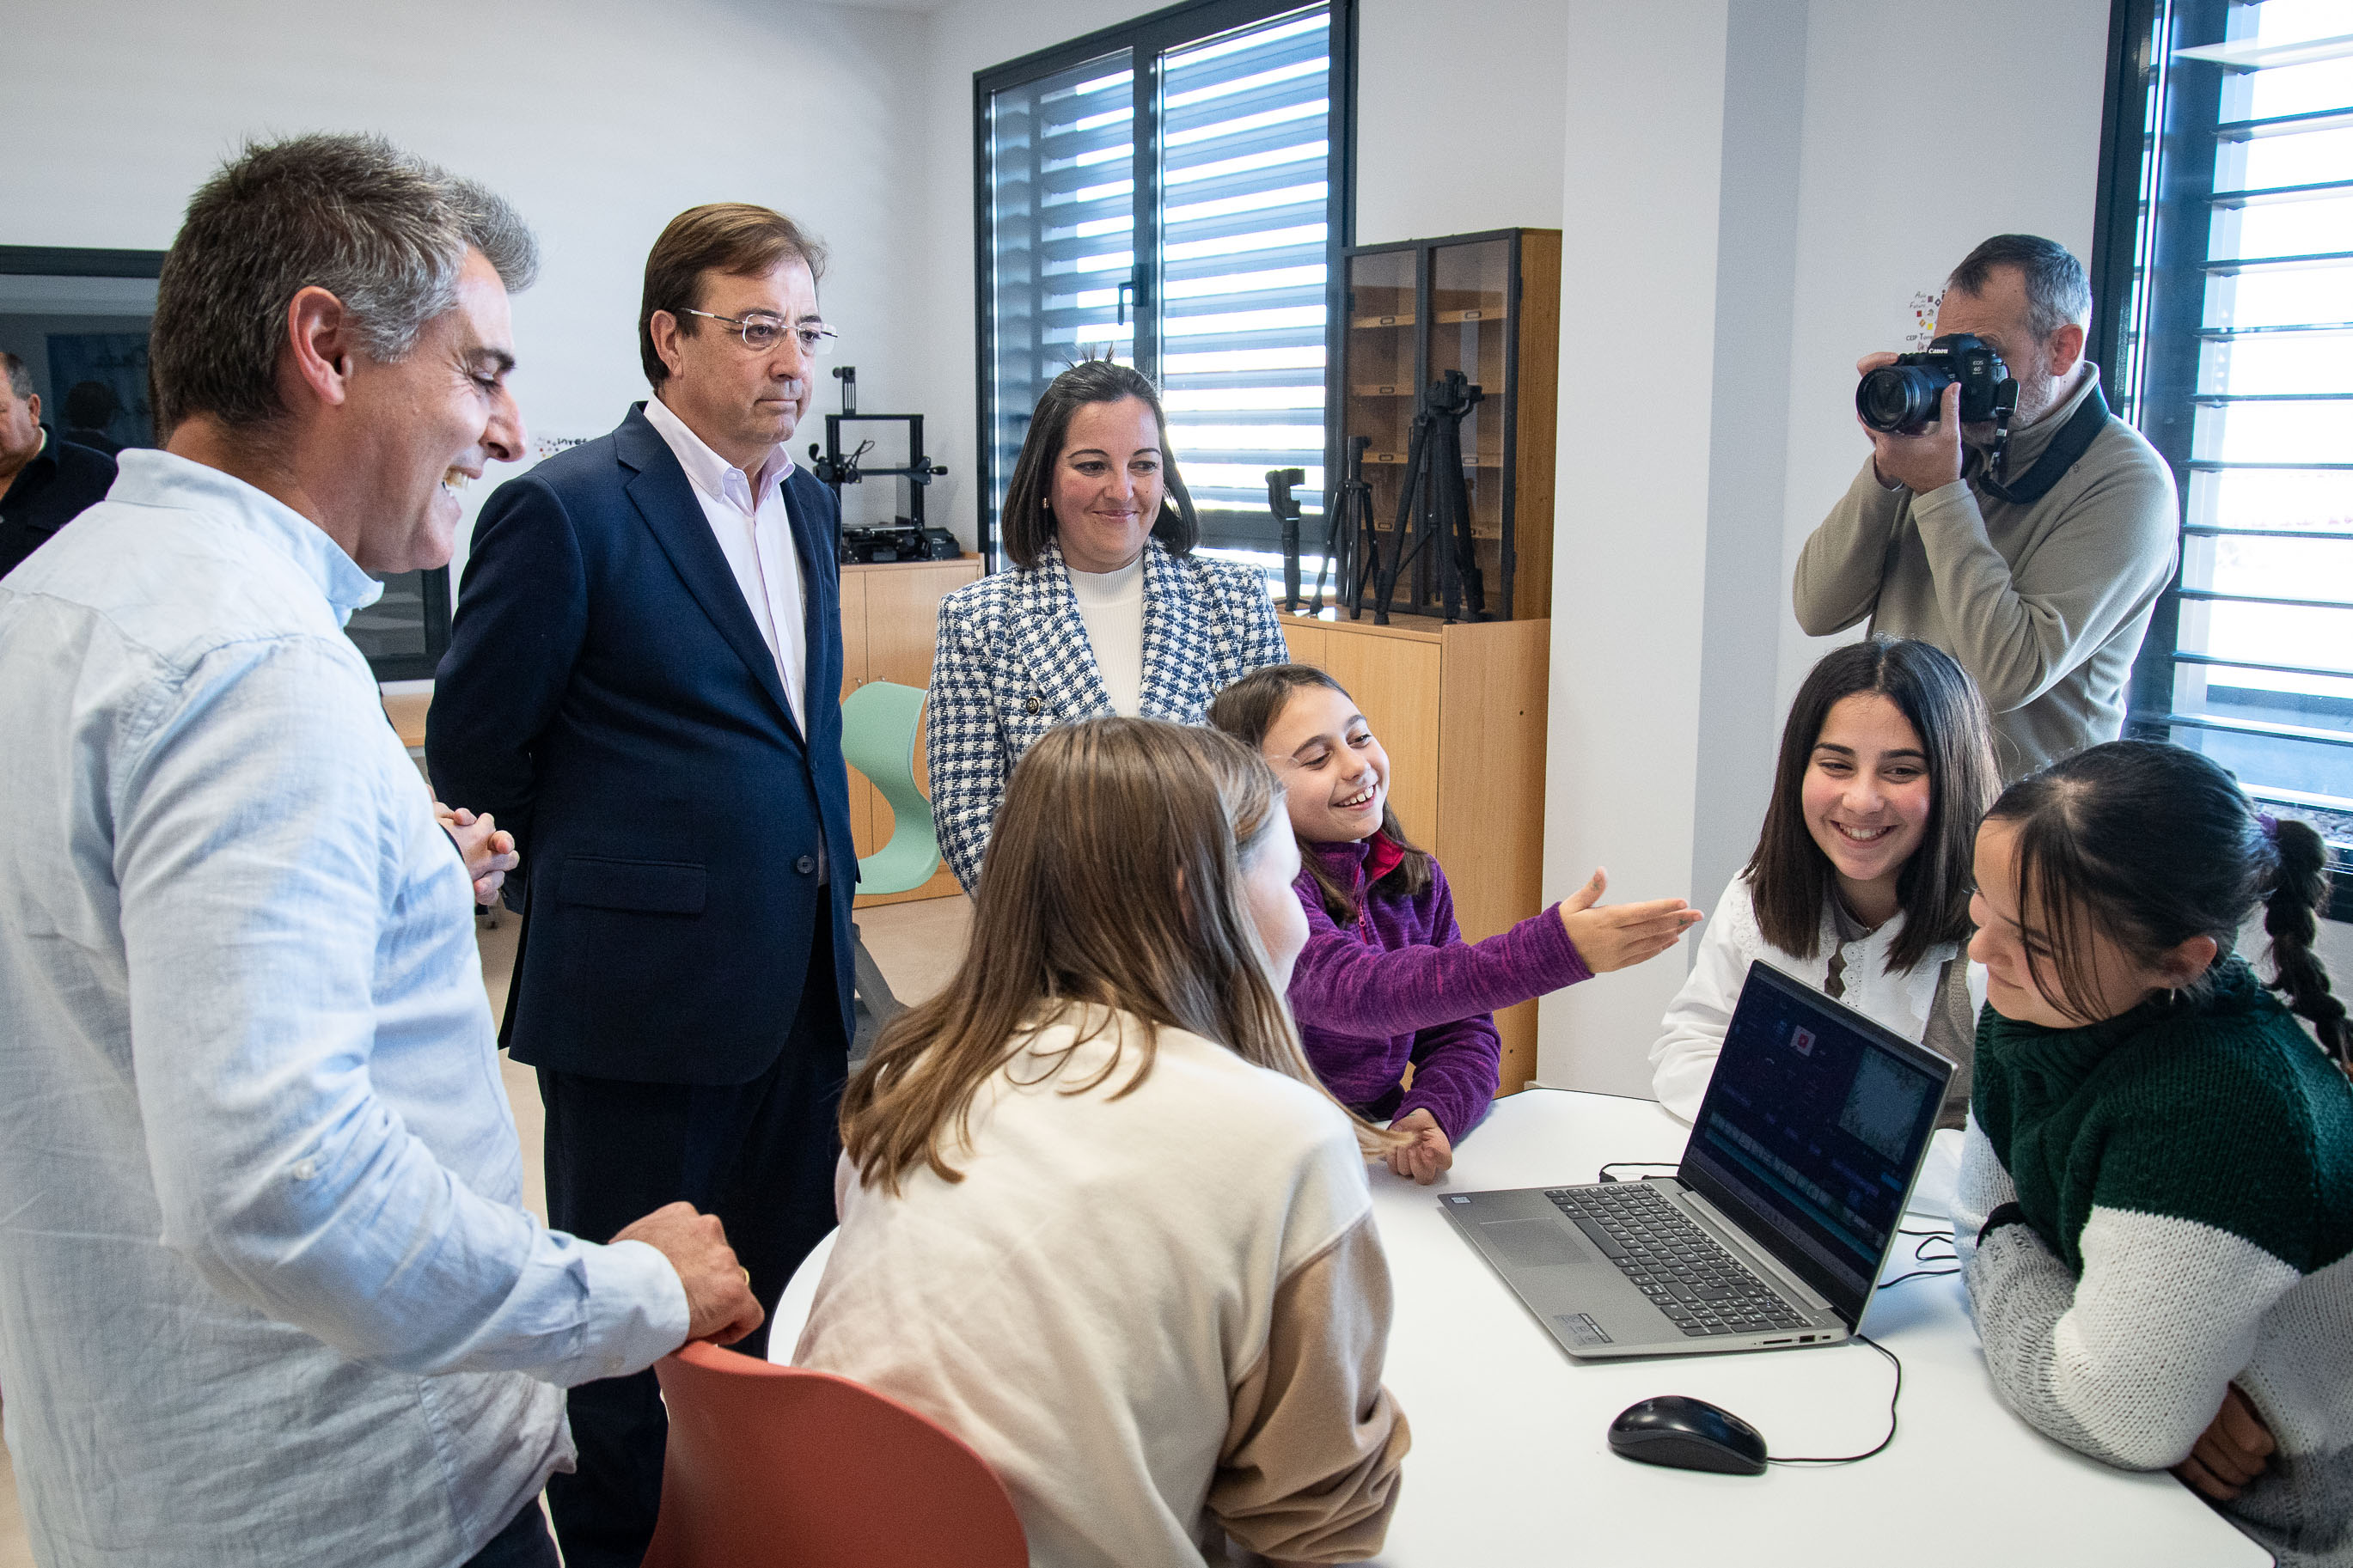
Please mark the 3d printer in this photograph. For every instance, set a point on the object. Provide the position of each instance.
(906, 538)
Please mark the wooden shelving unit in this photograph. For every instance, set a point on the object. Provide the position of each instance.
(1489, 306)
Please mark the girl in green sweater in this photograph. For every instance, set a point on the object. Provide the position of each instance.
(2158, 1176)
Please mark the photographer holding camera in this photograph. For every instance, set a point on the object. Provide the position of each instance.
(2004, 514)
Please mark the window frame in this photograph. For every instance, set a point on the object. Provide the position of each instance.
(1147, 39)
(2168, 376)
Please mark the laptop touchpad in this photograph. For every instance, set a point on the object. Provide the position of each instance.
(1533, 1242)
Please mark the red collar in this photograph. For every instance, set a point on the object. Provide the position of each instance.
(1382, 856)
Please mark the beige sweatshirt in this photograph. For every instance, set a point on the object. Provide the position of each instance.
(1156, 1312)
(2043, 605)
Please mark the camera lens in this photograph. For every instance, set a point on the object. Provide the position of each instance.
(1900, 398)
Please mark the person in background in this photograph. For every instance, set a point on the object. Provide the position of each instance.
(2155, 1211)
(1860, 883)
(268, 1290)
(1386, 984)
(1097, 1218)
(1107, 609)
(90, 408)
(44, 482)
(643, 688)
(2039, 578)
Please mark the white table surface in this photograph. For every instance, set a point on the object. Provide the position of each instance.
(1510, 1464)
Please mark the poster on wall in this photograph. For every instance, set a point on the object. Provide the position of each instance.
(116, 360)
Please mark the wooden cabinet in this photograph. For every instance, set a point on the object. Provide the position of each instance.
(889, 615)
(1460, 711)
(1487, 305)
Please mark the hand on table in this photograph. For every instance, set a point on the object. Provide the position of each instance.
(1927, 461)
(1428, 1156)
(2236, 1448)
(1616, 936)
(720, 1307)
(488, 849)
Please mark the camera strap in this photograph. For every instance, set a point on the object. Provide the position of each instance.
(2068, 447)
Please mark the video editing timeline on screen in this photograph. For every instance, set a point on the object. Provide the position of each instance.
(1827, 1172)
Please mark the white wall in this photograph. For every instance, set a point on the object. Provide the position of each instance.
(1770, 225)
(1455, 116)
(600, 120)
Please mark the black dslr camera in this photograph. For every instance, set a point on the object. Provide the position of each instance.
(1900, 398)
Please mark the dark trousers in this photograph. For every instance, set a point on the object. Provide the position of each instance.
(524, 1544)
(760, 1155)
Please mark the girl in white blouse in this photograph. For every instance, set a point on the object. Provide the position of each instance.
(1098, 1219)
(1860, 883)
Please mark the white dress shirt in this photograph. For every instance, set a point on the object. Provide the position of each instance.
(757, 536)
(1111, 607)
(268, 1292)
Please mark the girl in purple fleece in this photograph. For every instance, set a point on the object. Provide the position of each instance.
(1385, 980)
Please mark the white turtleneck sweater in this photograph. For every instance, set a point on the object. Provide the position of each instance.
(1111, 607)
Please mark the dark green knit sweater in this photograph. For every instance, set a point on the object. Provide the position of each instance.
(2220, 1110)
(2186, 1170)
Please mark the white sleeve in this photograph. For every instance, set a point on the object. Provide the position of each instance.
(248, 854)
(1691, 1033)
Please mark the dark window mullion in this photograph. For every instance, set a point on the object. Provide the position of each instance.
(2176, 301)
(1146, 233)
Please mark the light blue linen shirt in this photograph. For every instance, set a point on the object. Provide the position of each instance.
(267, 1293)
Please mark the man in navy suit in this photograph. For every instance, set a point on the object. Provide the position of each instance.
(643, 686)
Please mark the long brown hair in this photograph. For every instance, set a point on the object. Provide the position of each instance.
(1027, 521)
(1789, 878)
(1112, 882)
(1247, 709)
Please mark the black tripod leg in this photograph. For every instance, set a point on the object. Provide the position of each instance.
(1417, 456)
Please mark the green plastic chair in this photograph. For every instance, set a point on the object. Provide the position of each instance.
(879, 722)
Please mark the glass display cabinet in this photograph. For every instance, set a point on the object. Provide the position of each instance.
(1487, 307)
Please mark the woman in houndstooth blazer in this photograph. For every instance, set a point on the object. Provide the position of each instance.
(1105, 610)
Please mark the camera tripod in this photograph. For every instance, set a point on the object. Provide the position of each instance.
(1436, 494)
(1351, 543)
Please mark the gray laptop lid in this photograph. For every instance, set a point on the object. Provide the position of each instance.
(1812, 1132)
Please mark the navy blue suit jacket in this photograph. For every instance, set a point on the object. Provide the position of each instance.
(608, 695)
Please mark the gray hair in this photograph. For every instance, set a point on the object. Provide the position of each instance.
(20, 374)
(382, 232)
(2057, 293)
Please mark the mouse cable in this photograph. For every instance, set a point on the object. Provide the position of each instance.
(1917, 1274)
(1630, 1164)
(1881, 1446)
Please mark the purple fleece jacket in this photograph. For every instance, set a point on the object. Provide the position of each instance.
(1399, 984)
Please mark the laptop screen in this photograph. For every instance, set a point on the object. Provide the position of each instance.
(1812, 1131)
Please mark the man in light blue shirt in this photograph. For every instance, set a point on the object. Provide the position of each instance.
(267, 1293)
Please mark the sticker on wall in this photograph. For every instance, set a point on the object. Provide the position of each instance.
(1924, 306)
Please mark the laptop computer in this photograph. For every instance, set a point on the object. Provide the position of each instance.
(1775, 1227)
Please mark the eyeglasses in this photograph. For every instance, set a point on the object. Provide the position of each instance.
(761, 333)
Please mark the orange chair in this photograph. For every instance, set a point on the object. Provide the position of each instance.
(773, 1465)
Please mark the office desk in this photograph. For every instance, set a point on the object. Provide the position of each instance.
(1510, 1466)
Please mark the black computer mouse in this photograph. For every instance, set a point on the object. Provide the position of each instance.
(1689, 1435)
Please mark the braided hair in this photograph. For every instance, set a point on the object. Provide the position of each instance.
(2157, 844)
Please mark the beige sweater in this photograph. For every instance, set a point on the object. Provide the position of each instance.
(2043, 605)
(1154, 1311)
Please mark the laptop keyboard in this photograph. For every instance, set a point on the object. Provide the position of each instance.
(1691, 1278)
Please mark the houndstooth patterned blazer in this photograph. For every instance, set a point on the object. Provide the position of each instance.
(1013, 661)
